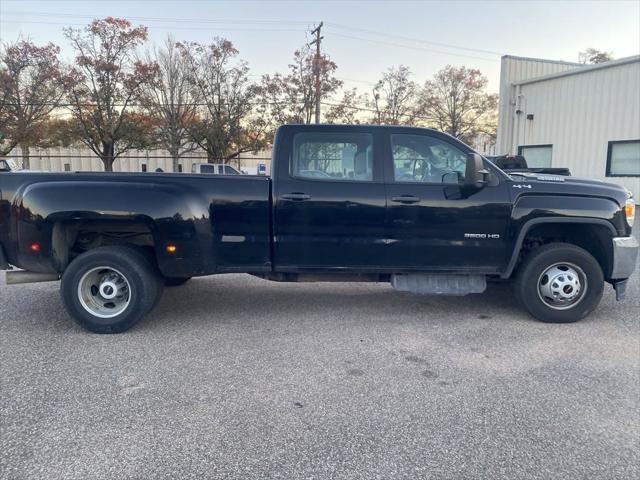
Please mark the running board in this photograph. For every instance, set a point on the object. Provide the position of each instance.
(438, 284)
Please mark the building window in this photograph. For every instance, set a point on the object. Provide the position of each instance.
(623, 159)
(180, 168)
(144, 167)
(537, 156)
(67, 167)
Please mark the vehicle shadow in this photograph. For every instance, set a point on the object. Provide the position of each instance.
(237, 299)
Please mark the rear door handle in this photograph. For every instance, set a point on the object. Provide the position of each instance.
(406, 199)
(296, 196)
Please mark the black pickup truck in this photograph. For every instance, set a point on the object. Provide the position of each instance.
(413, 207)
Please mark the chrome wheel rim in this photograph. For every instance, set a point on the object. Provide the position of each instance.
(562, 286)
(104, 292)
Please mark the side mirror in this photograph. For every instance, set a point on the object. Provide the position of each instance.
(476, 177)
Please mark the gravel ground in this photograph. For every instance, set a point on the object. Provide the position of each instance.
(236, 377)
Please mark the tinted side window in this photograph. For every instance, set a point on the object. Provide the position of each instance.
(425, 159)
(207, 169)
(230, 170)
(333, 156)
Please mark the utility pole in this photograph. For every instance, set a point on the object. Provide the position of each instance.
(316, 67)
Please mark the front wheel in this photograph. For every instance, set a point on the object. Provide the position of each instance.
(109, 289)
(559, 283)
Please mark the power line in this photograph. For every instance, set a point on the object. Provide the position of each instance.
(355, 80)
(373, 110)
(411, 39)
(266, 22)
(164, 27)
(161, 19)
(424, 49)
(329, 104)
(88, 104)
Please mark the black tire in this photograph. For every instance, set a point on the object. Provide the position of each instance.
(175, 281)
(144, 282)
(538, 262)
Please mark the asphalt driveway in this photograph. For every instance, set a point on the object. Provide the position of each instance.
(236, 377)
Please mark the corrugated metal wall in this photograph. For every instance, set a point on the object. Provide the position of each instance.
(517, 69)
(83, 159)
(580, 114)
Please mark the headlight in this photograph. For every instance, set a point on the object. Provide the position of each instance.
(630, 211)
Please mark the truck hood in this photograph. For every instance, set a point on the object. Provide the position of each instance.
(561, 185)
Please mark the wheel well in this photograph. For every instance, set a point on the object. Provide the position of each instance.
(70, 239)
(594, 238)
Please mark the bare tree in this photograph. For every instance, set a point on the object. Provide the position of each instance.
(456, 102)
(347, 109)
(227, 125)
(591, 55)
(395, 98)
(107, 79)
(291, 97)
(32, 84)
(170, 100)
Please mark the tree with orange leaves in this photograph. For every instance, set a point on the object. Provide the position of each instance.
(32, 85)
(107, 80)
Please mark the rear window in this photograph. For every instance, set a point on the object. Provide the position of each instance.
(333, 156)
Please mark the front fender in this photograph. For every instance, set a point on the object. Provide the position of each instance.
(173, 213)
(531, 211)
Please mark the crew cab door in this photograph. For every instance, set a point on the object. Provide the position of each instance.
(431, 223)
(329, 199)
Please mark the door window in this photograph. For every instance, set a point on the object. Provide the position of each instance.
(424, 159)
(333, 156)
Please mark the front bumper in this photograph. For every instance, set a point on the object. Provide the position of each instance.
(625, 253)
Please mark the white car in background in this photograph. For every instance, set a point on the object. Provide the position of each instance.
(214, 169)
(7, 165)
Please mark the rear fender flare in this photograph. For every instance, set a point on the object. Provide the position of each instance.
(172, 213)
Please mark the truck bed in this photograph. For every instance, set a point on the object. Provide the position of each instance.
(218, 223)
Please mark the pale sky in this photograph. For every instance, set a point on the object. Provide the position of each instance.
(363, 37)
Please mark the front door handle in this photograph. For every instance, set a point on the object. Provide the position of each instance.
(406, 199)
(296, 196)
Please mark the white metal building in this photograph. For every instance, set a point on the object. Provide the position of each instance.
(584, 117)
(83, 159)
